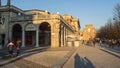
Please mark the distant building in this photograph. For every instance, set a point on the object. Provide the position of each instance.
(36, 27)
(89, 32)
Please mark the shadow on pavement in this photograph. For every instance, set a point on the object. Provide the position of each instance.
(110, 53)
(82, 62)
(24, 53)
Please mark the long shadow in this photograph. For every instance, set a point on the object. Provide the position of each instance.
(82, 62)
(24, 53)
(110, 53)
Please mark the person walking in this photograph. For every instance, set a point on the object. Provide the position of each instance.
(93, 42)
(10, 48)
(100, 42)
(18, 46)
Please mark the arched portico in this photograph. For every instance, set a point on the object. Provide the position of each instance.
(16, 32)
(45, 34)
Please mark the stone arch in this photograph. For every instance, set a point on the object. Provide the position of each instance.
(16, 32)
(44, 34)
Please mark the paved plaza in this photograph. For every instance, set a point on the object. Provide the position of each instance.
(63, 57)
(93, 57)
(42, 57)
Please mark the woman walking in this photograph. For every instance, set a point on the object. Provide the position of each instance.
(18, 46)
(10, 48)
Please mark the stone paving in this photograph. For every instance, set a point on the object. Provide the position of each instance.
(62, 57)
(115, 49)
(92, 57)
(47, 58)
(37, 58)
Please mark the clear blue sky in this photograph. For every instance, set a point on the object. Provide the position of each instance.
(95, 12)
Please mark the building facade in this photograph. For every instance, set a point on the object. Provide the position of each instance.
(89, 32)
(37, 27)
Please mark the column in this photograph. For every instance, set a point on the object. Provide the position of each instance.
(55, 38)
(64, 36)
(10, 35)
(61, 38)
(61, 35)
(37, 37)
(23, 38)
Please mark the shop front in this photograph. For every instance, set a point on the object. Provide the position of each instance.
(30, 38)
(30, 35)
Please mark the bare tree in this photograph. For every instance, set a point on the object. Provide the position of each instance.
(117, 20)
(111, 30)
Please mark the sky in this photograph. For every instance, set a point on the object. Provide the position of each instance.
(96, 12)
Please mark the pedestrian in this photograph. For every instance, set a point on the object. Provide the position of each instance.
(18, 51)
(113, 43)
(110, 43)
(100, 42)
(118, 43)
(10, 48)
(93, 42)
(18, 46)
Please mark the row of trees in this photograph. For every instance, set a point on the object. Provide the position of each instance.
(112, 29)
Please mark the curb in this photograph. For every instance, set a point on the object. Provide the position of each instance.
(61, 63)
(111, 52)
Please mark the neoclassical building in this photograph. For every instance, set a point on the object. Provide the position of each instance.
(89, 32)
(37, 27)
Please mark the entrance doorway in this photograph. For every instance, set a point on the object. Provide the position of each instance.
(30, 38)
(44, 34)
(2, 40)
(16, 32)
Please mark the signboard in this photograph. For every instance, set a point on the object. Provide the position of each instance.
(30, 27)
